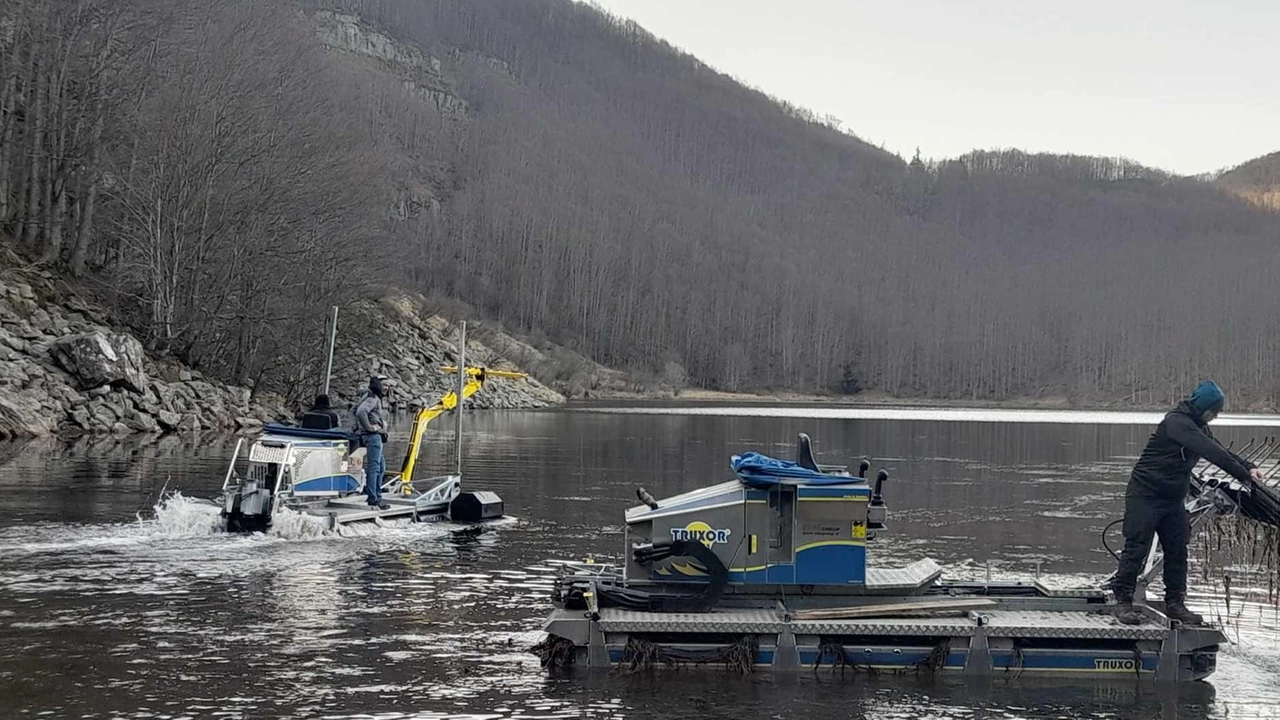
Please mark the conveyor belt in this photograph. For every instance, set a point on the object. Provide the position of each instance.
(999, 623)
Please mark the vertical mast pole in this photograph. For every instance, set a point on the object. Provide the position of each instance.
(462, 385)
(333, 337)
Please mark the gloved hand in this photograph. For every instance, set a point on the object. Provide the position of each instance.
(384, 438)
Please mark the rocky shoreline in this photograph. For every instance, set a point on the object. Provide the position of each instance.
(64, 371)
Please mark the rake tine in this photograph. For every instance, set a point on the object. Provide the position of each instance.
(1268, 457)
(1258, 451)
(1262, 447)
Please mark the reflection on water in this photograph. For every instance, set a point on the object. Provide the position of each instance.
(927, 414)
(103, 614)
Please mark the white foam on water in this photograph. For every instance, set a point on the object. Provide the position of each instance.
(176, 515)
(179, 516)
(177, 519)
(292, 525)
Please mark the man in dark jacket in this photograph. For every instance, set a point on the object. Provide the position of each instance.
(1155, 500)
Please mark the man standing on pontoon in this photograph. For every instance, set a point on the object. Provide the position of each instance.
(1155, 502)
(371, 428)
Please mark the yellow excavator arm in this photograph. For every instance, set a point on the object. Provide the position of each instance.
(476, 377)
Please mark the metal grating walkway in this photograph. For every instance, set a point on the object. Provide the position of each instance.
(998, 623)
(732, 621)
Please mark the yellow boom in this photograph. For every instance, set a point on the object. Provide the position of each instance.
(476, 377)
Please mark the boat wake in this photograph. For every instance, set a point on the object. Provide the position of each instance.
(178, 521)
(176, 515)
(179, 516)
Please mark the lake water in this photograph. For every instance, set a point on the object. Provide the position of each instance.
(110, 609)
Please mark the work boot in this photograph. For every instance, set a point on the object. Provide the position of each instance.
(1177, 611)
(1127, 613)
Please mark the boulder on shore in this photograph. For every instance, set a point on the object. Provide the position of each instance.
(98, 358)
(22, 416)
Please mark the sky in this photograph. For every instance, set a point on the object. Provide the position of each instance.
(1186, 86)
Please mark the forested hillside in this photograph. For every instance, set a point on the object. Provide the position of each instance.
(229, 168)
(1257, 180)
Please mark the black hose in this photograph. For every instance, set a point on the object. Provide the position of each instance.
(1105, 530)
(611, 593)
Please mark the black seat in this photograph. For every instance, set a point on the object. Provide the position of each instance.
(804, 454)
(320, 420)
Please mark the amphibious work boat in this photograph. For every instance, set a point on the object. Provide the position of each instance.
(770, 570)
(311, 471)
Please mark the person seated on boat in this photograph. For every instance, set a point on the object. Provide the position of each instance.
(1155, 500)
(371, 429)
(321, 416)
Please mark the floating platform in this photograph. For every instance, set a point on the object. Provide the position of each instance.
(430, 503)
(1009, 636)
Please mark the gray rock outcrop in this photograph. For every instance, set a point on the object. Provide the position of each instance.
(396, 338)
(98, 358)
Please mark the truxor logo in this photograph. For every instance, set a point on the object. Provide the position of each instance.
(702, 532)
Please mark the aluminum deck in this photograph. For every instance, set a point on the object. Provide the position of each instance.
(918, 574)
(356, 509)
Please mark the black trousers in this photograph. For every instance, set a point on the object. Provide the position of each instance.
(1145, 516)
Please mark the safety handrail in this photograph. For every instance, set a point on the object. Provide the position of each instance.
(231, 468)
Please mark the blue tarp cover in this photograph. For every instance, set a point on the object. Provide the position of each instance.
(294, 431)
(763, 471)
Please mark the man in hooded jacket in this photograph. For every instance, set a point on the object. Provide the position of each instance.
(371, 429)
(1155, 502)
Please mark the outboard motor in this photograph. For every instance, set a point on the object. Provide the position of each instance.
(247, 507)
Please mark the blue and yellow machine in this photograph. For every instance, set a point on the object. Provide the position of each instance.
(780, 523)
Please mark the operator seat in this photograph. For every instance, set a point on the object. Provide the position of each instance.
(804, 453)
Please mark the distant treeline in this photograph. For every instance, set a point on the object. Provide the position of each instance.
(609, 190)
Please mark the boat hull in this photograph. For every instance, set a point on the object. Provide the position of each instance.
(429, 499)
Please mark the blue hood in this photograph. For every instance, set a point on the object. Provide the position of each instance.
(1207, 396)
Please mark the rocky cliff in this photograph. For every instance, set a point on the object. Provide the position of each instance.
(420, 74)
(397, 337)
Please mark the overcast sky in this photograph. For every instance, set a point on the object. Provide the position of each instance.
(1188, 86)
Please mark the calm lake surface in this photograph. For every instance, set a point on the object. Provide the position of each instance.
(112, 608)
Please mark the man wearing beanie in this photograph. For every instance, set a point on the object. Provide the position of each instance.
(1154, 503)
(370, 427)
